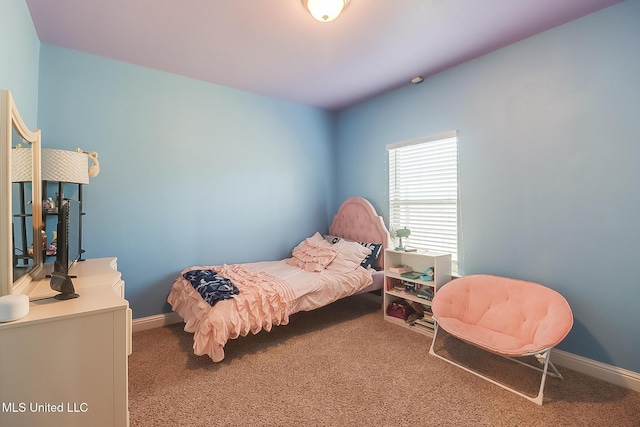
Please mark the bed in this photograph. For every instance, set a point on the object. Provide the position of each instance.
(223, 302)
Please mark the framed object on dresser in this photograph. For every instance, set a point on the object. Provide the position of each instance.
(19, 170)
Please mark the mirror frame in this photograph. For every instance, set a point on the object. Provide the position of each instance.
(11, 119)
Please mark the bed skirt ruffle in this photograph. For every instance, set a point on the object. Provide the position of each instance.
(263, 302)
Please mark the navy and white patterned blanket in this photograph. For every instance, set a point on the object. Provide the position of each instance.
(211, 286)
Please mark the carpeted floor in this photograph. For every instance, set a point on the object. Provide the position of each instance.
(343, 365)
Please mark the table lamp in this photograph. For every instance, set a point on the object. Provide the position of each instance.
(402, 233)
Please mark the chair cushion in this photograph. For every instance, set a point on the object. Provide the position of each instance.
(503, 315)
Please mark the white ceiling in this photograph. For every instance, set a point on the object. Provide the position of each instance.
(275, 48)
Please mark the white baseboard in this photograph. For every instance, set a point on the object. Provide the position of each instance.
(602, 371)
(156, 321)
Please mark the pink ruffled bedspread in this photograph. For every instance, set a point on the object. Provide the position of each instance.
(265, 300)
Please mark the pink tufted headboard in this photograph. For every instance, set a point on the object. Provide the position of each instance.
(358, 220)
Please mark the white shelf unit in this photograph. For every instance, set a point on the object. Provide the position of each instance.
(419, 262)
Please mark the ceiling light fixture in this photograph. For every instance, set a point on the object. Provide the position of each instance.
(325, 10)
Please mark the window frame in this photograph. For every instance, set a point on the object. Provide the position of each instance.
(448, 226)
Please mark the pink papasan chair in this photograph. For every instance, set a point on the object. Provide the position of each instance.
(508, 317)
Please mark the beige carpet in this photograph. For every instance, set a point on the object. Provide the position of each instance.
(343, 365)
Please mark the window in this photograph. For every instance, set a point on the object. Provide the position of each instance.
(423, 192)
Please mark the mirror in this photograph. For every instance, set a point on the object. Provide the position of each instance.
(20, 201)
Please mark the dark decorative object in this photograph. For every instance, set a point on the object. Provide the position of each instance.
(62, 283)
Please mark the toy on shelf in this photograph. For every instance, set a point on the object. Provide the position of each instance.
(428, 275)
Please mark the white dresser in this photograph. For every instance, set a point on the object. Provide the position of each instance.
(66, 362)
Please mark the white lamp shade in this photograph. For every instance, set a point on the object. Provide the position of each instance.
(325, 10)
(64, 166)
(21, 165)
(57, 165)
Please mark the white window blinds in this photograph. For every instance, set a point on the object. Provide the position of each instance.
(423, 191)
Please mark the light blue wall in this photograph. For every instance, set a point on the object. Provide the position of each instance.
(191, 173)
(19, 52)
(549, 154)
(194, 173)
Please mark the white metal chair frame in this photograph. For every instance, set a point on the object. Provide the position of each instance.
(543, 358)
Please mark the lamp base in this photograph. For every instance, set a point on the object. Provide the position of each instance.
(63, 297)
(62, 283)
